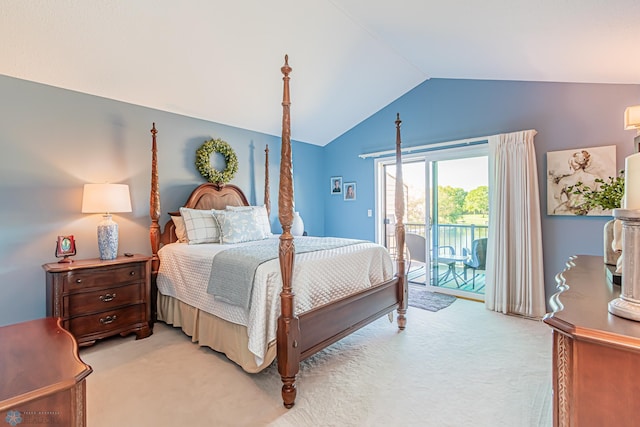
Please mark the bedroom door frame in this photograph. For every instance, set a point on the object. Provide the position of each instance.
(428, 158)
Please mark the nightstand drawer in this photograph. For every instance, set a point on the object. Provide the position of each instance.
(107, 321)
(107, 276)
(80, 303)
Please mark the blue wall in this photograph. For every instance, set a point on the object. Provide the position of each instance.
(53, 141)
(566, 116)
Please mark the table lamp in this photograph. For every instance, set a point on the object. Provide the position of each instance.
(632, 121)
(106, 199)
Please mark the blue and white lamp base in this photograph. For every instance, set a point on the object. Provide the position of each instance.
(107, 238)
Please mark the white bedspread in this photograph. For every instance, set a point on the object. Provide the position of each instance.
(318, 278)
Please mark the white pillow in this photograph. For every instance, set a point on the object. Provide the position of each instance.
(237, 226)
(181, 232)
(261, 215)
(200, 225)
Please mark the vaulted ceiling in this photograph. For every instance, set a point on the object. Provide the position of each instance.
(220, 60)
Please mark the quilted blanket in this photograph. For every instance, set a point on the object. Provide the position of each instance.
(233, 270)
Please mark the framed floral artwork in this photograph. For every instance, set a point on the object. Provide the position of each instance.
(581, 166)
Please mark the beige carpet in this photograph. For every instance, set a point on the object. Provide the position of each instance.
(460, 366)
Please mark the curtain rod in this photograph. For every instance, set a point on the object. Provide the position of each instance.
(430, 147)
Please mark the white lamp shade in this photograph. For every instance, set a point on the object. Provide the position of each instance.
(632, 117)
(106, 198)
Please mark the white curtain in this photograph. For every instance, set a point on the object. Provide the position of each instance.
(514, 277)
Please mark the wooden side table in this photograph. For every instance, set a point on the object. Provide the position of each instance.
(99, 298)
(42, 379)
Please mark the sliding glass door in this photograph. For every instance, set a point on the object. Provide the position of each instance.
(446, 218)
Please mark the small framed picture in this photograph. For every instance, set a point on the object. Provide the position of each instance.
(349, 190)
(336, 185)
(65, 247)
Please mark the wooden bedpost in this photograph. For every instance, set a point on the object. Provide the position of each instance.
(267, 196)
(154, 202)
(288, 337)
(154, 229)
(402, 309)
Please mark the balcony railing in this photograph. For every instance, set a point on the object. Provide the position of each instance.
(458, 236)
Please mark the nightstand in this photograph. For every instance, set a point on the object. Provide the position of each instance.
(98, 298)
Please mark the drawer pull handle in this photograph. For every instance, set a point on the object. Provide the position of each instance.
(132, 273)
(107, 297)
(78, 280)
(108, 319)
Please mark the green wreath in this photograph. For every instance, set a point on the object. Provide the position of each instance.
(203, 161)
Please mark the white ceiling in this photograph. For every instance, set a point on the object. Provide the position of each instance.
(220, 60)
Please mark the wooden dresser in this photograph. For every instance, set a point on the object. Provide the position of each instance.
(42, 379)
(98, 298)
(596, 355)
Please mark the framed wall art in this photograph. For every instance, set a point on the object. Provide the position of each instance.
(349, 190)
(336, 185)
(568, 168)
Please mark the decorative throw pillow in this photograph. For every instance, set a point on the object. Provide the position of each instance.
(261, 215)
(181, 232)
(237, 226)
(200, 225)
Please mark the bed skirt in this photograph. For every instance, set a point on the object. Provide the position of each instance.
(214, 332)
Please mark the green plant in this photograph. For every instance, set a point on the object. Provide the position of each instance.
(203, 161)
(607, 194)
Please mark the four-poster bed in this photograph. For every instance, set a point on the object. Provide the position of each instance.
(300, 327)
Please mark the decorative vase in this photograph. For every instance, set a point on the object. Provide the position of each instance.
(610, 254)
(297, 227)
(107, 238)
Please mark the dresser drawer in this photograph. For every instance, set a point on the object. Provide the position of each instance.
(80, 303)
(107, 322)
(106, 276)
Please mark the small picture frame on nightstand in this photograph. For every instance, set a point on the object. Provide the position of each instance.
(65, 247)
